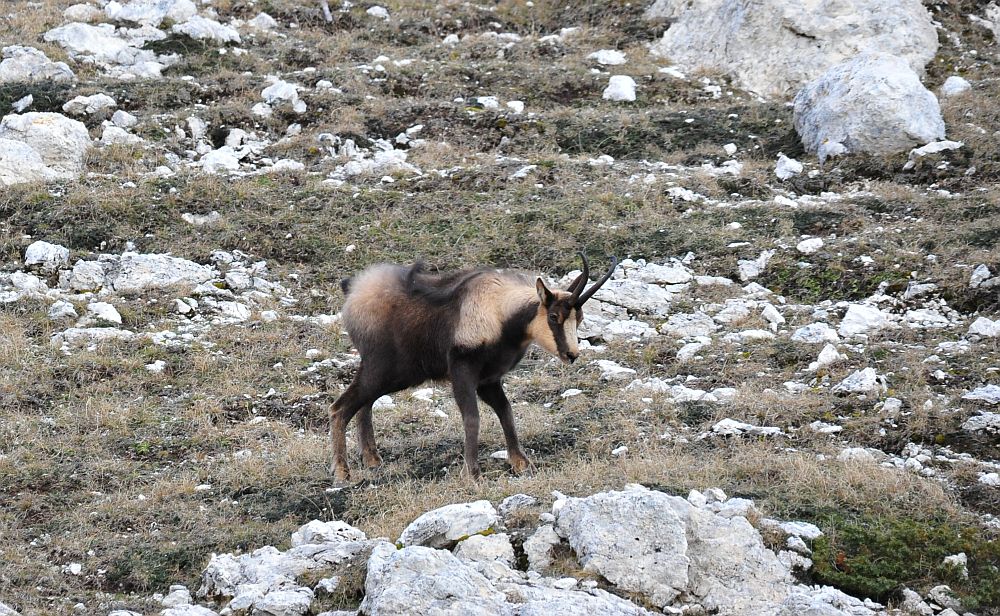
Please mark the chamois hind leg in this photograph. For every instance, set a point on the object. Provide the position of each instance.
(366, 438)
(493, 395)
(356, 397)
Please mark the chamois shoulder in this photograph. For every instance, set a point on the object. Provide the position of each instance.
(494, 300)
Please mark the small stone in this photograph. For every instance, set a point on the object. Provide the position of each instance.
(787, 167)
(954, 86)
(620, 88)
(379, 12)
(62, 310)
(515, 503)
(608, 57)
(809, 246)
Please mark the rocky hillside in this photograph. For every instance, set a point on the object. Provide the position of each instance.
(786, 401)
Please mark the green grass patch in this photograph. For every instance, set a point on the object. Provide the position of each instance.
(878, 557)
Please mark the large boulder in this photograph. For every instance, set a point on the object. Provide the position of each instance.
(151, 12)
(61, 142)
(422, 580)
(662, 547)
(118, 50)
(21, 163)
(27, 64)
(771, 47)
(872, 103)
(135, 273)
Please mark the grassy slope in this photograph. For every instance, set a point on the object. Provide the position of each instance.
(84, 436)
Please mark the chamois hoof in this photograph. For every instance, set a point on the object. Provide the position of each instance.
(341, 474)
(372, 460)
(522, 466)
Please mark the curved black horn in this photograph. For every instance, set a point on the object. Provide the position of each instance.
(597, 285)
(576, 287)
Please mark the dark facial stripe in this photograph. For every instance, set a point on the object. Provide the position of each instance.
(559, 334)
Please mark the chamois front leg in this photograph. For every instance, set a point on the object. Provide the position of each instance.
(463, 385)
(493, 395)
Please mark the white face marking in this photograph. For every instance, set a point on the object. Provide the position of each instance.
(569, 329)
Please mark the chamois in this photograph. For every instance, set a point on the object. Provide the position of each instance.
(470, 327)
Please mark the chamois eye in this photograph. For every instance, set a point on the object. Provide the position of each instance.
(553, 319)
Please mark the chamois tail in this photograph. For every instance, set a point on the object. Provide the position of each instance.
(345, 285)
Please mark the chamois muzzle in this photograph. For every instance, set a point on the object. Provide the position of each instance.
(580, 296)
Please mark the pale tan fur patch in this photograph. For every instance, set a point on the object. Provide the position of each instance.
(370, 300)
(569, 329)
(492, 300)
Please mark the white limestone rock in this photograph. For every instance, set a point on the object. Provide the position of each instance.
(872, 103)
(486, 549)
(980, 275)
(827, 357)
(118, 50)
(112, 135)
(636, 296)
(178, 595)
(689, 325)
(89, 105)
(151, 12)
(202, 28)
(102, 313)
(61, 309)
(188, 610)
(124, 119)
(83, 12)
(809, 246)
(661, 546)
(27, 64)
(538, 547)
(954, 85)
(224, 159)
(85, 276)
(985, 421)
(861, 382)
(772, 47)
(80, 336)
(334, 531)
(45, 255)
(786, 167)
(20, 163)
(517, 502)
(61, 142)
(538, 600)
(613, 371)
(446, 525)
(816, 333)
(862, 319)
(135, 273)
(263, 21)
(621, 88)
(422, 580)
(751, 268)
(608, 57)
(935, 147)
(990, 394)
(379, 12)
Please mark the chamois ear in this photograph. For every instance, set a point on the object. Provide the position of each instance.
(544, 295)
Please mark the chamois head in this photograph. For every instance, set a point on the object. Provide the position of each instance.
(560, 313)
